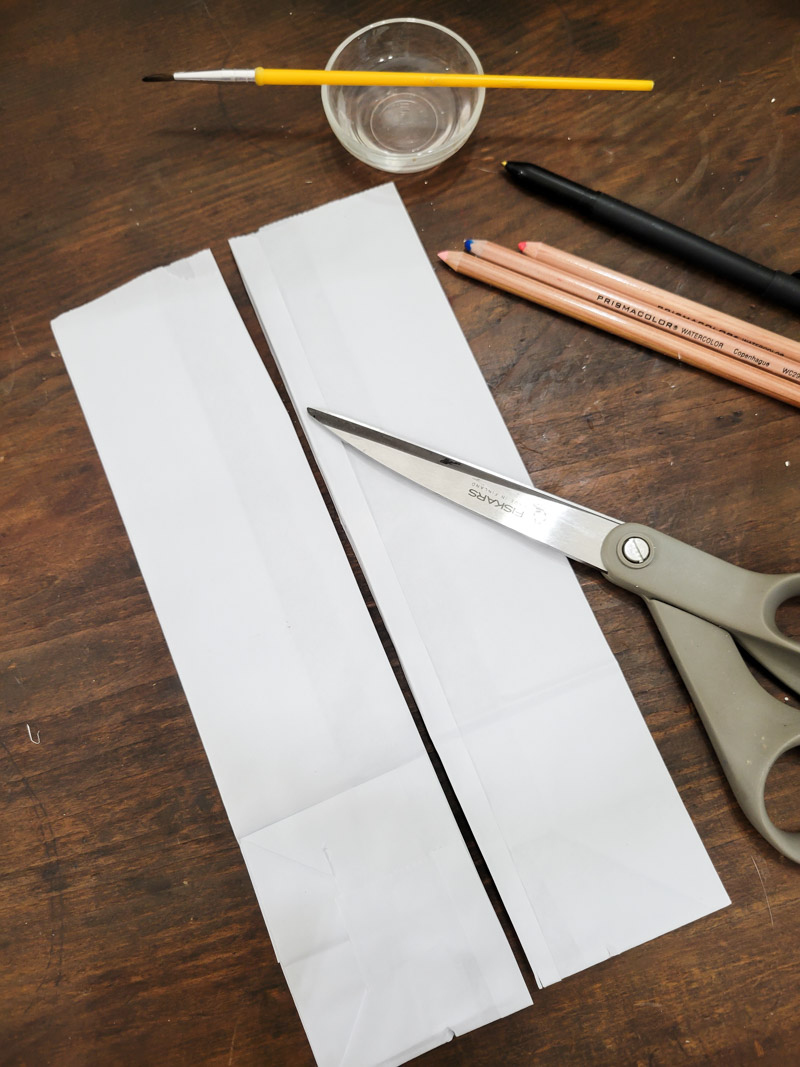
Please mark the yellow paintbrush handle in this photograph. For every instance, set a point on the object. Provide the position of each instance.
(267, 76)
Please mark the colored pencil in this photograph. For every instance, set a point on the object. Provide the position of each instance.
(640, 309)
(273, 76)
(668, 302)
(657, 340)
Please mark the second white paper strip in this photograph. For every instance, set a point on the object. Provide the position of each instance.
(580, 824)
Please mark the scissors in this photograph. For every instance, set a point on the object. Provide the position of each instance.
(702, 606)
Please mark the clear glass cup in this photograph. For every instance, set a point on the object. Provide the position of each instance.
(403, 130)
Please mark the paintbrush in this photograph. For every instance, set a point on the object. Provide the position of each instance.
(273, 76)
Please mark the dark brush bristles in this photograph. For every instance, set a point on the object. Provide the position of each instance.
(158, 78)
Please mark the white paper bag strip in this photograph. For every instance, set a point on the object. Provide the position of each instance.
(385, 934)
(571, 805)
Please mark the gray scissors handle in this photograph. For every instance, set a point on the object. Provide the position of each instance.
(700, 604)
(740, 601)
(748, 728)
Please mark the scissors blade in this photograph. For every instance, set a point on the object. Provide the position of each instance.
(572, 529)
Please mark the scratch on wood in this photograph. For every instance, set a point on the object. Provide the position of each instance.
(14, 335)
(758, 872)
(8, 389)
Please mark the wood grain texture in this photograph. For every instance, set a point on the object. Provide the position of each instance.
(129, 932)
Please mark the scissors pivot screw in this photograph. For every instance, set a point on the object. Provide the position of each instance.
(635, 550)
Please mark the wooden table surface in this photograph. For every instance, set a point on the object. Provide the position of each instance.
(129, 931)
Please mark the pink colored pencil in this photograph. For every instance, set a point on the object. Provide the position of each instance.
(670, 303)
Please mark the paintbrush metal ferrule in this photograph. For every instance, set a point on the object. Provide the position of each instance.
(215, 76)
(204, 76)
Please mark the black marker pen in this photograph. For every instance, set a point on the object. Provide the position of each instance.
(773, 285)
